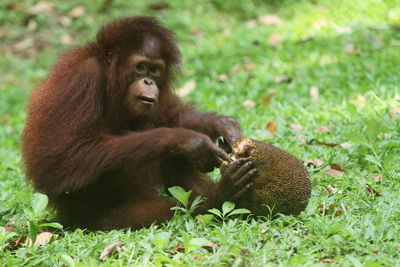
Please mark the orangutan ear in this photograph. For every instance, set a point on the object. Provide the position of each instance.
(111, 54)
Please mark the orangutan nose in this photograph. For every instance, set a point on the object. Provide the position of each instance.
(148, 81)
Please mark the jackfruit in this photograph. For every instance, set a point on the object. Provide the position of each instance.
(282, 183)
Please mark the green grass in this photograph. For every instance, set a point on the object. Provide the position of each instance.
(365, 231)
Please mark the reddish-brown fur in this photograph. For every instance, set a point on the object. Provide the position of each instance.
(100, 167)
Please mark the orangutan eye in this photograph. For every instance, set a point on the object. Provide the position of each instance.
(140, 67)
(154, 70)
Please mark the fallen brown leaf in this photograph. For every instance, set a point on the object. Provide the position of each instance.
(373, 191)
(296, 127)
(24, 44)
(109, 250)
(336, 167)
(332, 209)
(159, 5)
(64, 21)
(265, 101)
(3, 33)
(43, 239)
(333, 172)
(195, 31)
(9, 228)
(301, 138)
(316, 162)
(271, 127)
(346, 144)
(222, 78)
(349, 49)
(15, 244)
(270, 20)
(178, 248)
(361, 101)
(66, 39)
(314, 93)
(251, 24)
(326, 144)
(249, 104)
(210, 246)
(186, 89)
(249, 66)
(320, 24)
(394, 42)
(5, 118)
(331, 189)
(342, 29)
(393, 113)
(275, 39)
(393, 15)
(32, 25)
(326, 260)
(322, 129)
(378, 178)
(41, 7)
(76, 12)
(283, 79)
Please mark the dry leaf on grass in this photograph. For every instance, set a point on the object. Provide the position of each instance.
(393, 113)
(64, 21)
(109, 250)
(296, 127)
(316, 162)
(326, 144)
(331, 209)
(378, 178)
(15, 244)
(186, 89)
(314, 93)
(349, 49)
(249, 66)
(271, 128)
(322, 129)
(283, 79)
(76, 12)
(270, 20)
(331, 189)
(265, 101)
(346, 144)
(41, 7)
(361, 101)
(336, 167)
(373, 191)
(275, 39)
(210, 246)
(3, 33)
(251, 24)
(222, 78)
(43, 239)
(66, 39)
(178, 248)
(301, 138)
(159, 5)
(320, 24)
(32, 25)
(333, 172)
(326, 260)
(249, 104)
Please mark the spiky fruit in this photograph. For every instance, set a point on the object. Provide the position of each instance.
(282, 182)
